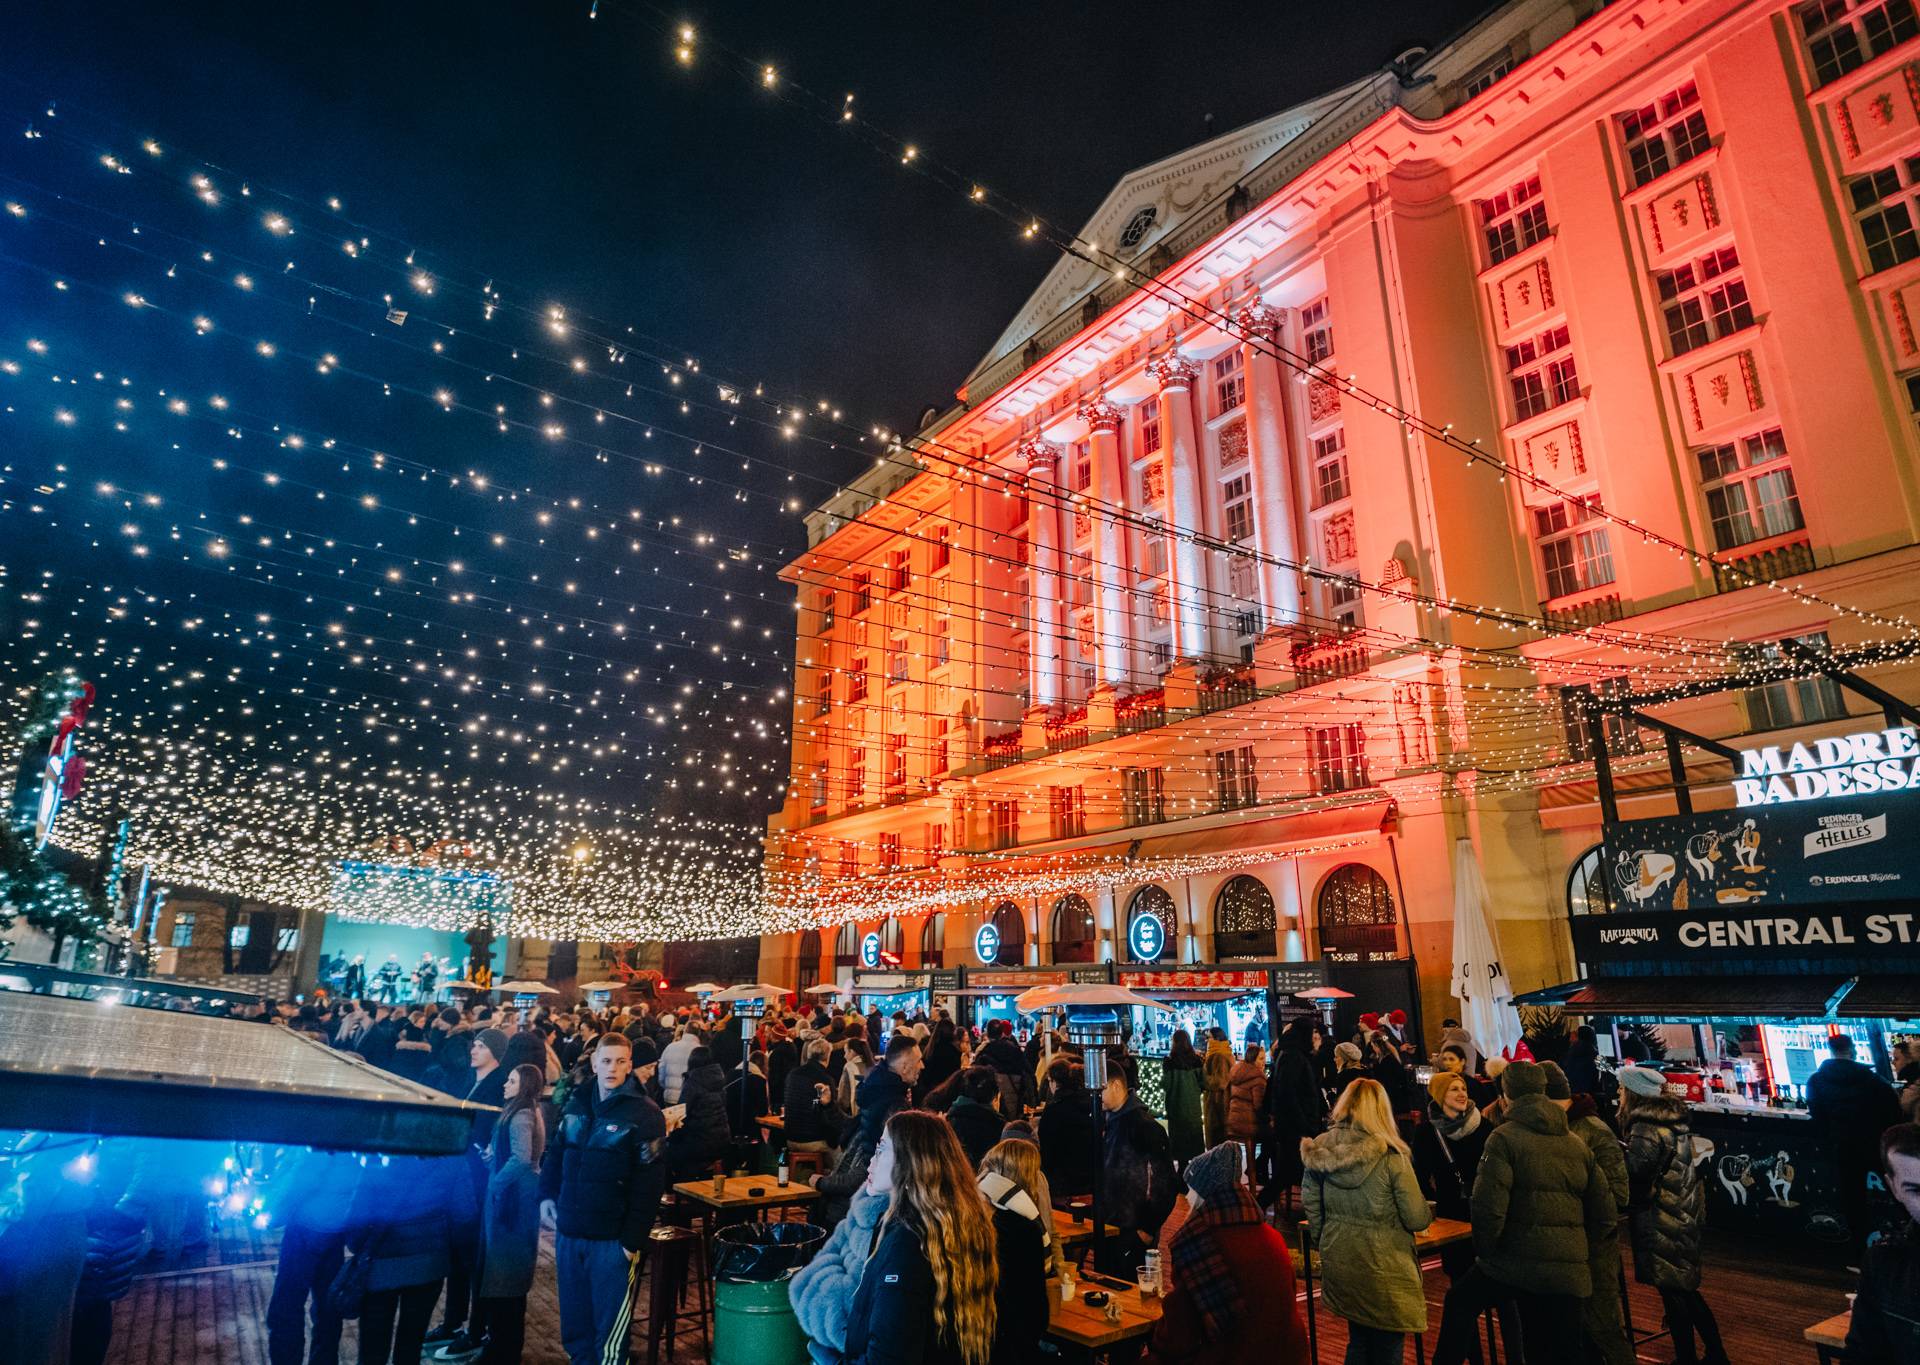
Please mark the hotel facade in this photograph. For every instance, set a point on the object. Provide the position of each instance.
(1176, 615)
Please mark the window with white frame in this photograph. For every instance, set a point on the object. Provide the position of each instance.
(1229, 381)
(896, 658)
(1339, 757)
(1796, 701)
(942, 549)
(1330, 467)
(1485, 78)
(1883, 206)
(1541, 373)
(1067, 811)
(1155, 542)
(1575, 553)
(1750, 489)
(899, 570)
(942, 640)
(1704, 299)
(1237, 502)
(856, 774)
(1145, 790)
(1316, 331)
(1343, 603)
(1003, 823)
(1235, 783)
(1514, 219)
(1665, 133)
(1844, 34)
(857, 679)
(1149, 426)
(1082, 469)
(1621, 732)
(896, 762)
(183, 928)
(826, 613)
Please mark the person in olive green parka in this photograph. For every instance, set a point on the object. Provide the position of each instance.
(1600, 1319)
(1185, 1087)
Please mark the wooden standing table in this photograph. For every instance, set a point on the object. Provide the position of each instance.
(1085, 1329)
(1829, 1338)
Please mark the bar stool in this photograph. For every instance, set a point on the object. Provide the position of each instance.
(671, 1252)
(799, 1163)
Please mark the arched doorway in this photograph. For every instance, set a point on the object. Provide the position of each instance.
(1587, 885)
(933, 941)
(809, 968)
(846, 948)
(1243, 920)
(1076, 933)
(892, 942)
(1357, 921)
(1012, 927)
(1154, 901)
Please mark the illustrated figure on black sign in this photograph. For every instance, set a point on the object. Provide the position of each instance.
(1746, 847)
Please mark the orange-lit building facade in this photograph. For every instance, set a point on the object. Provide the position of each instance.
(1157, 620)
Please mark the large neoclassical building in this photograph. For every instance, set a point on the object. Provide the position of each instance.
(1174, 615)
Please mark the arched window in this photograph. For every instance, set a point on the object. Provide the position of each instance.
(809, 972)
(1357, 922)
(892, 941)
(846, 948)
(1243, 921)
(1013, 933)
(1587, 885)
(1154, 901)
(933, 941)
(1076, 933)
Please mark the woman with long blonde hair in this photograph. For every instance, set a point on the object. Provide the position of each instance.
(1010, 1179)
(927, 1293)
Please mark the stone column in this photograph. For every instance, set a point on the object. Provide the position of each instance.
(1110, 614)
(1276, 515)
(1175, 375)
(1044, 629)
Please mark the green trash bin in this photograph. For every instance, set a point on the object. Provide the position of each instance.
(753, 1320)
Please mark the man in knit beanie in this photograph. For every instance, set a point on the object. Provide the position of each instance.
(1601, 1322)
(460, 1331)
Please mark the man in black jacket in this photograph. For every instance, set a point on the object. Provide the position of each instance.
(1851, 1107)
(888, 1087)
(600, 1187)
(1886, 1313)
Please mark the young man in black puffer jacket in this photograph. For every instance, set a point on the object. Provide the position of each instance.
(600, 1187)
(1886, 1314)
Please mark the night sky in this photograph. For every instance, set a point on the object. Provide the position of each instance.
(569, 162)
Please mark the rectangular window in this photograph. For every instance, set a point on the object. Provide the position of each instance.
(1082, 469)
(1912, 382)
(889, 852)
(856, 774)
(899, 570)
(849, 859)
(1339, 756)
(1574, 550)
(1484, 79)
(1160, 652)
(286, 940)
(942, 554)
(1703, 300)
(1883, 206)
(1343, 603)
(1800, 701)
(1156, 547)
(1541, 374)
(1150, 426)
(826, 613)
(819, 793)
(183, 928)
(1669, 132)
(1235, 783)
(862, 593)
(896, 658)
(1750, 489)
(823, 694)
(1003, 823)
(936, 843)
(1146, 795)
(1067, 811)
(937, 754)
(942, 641)
(1330, 467)
(1844, 34)
(238, 934)
(1238, 499)
(1229, 382)
(1513, 220)
(1316, 331)
(1623, 735)
(896, 762)
(857, 679)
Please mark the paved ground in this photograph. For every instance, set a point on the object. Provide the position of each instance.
(210, 1309)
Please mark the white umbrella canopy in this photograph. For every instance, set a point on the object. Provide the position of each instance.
(760, 992)
(590, 987)
(1479, 981)
(1081, 993)
(527, 988)
(827, 990)
(704, 987)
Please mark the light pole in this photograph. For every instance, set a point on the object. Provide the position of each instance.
(1094, 1028)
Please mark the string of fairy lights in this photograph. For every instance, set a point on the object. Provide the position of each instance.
(1527, 709)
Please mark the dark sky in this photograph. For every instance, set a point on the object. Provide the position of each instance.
(573, 162)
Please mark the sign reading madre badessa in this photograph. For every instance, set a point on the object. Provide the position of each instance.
(1848, 765)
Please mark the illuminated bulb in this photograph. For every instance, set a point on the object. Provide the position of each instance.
(277, 225)
(769, 77)
(423, 281)
(909, 155)
(244, 281)
(203, 325)
(265, 348)
(17, 210)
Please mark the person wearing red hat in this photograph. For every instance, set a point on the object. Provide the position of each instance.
(1395, 1027)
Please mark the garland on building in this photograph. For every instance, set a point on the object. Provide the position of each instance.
(31, 886)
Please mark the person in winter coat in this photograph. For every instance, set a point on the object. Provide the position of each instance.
(1851, 1107)
(1539, 1203)
(1446, 1155)
(943, 1055)
(511, 1215)
(404, 1215)
(1231, 1300)
(1296, 1105)
(748, 1099)
(1185, 1085)
(1066, 1131)
(927, 1292)
(1247, 1101)
(1140, 1182)
(822, 1290)
(783, 1055)
(839, 1186)
(1601, 1322)
(1581, 1061)
(1384, 1064)
(1010, 1180)
(813, 1121)
(855, 1069)
(311, 1206)
(1010, 1064)
(1669, 1208)
(1363, 1207)
(703, 1135)
(1217, 1076)
(975, 1120)
(889, 1088)
(1886, 1311)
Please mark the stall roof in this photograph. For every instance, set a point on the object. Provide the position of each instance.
(1882, 997)
(86, 1066)
(1703, 997)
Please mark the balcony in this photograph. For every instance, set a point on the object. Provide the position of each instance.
(1733, 572)
(1225, 688)
(1590, 611)
(1319, 658)
(1140, 711)
(1068, 730)
(1001, 750)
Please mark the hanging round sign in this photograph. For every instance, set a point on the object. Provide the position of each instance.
(1147, 937)
(870, 951)
(986, 943)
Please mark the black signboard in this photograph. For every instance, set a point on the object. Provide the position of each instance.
(946, 980)
(1299, 976)
(1749, 932)
(1720, 863)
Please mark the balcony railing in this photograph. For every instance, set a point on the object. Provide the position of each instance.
(1776, 561)
(1068, 730)
(1594, 611)
(1221, 690)
(1001, 750)
(1321, 658)
(1140, 711)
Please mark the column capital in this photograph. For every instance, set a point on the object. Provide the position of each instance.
(1259, 318)
(1172, 371)
(1040, 454)
(1101, 415)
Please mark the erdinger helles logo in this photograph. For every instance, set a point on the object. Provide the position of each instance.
(1850, 765)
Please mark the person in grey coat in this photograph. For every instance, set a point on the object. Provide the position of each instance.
(511, 1216)
(823, 1290)
(1669, 1208)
